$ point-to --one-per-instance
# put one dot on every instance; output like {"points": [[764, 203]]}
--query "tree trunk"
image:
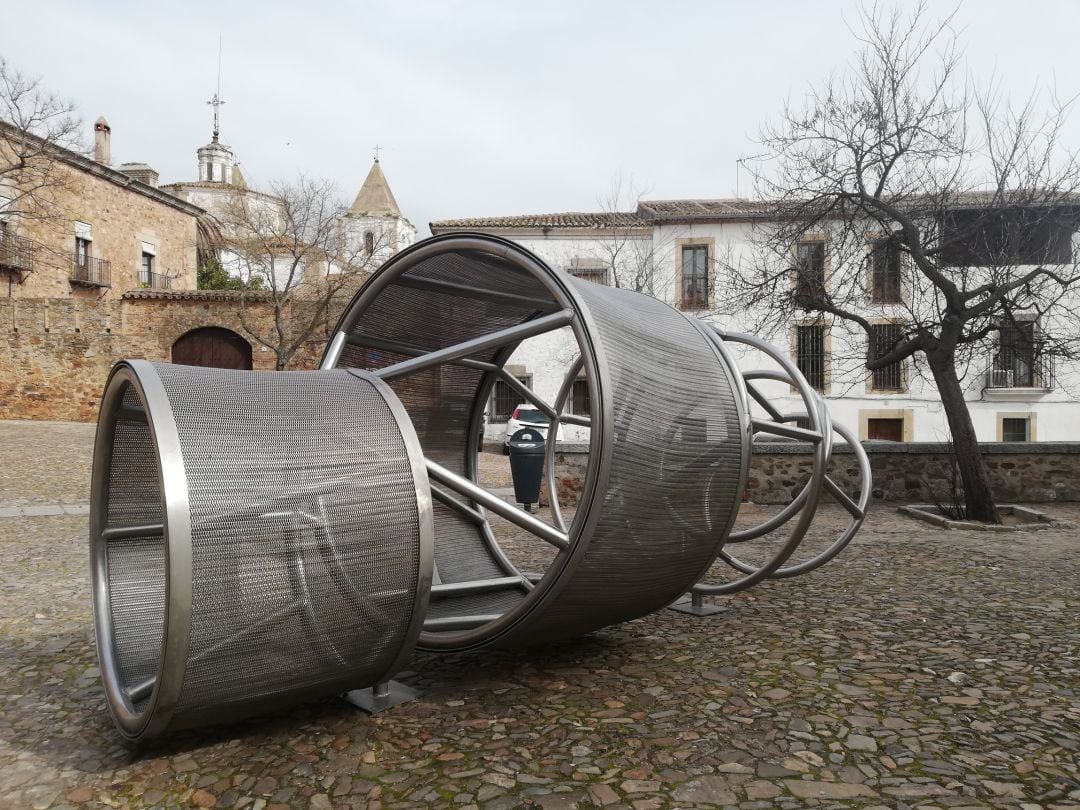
{"points": [[978, 495]]}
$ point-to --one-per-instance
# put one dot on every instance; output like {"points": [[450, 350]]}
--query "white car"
{"points": [[526, 416]]}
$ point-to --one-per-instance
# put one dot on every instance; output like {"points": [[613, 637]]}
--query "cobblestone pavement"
{"points": [[921, 668]]}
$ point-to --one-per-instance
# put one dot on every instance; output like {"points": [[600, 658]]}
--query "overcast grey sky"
{"points": [[482, 108]]}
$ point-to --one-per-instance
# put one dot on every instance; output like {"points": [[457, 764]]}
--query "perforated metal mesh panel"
{"points": [[308, 568], [668, 465], [441, 401], [136, 564], [674, 479]]}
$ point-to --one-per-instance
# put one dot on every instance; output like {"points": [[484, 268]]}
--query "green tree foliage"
{"points": [[212, 276]]}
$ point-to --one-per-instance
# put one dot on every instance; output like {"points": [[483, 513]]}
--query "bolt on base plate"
{"points": [[380, 697], [696, 606]]}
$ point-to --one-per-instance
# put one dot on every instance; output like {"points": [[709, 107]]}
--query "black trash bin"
{"points": [[527, 465]]}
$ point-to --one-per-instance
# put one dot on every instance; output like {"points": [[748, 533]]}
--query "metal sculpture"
{"points": [[245, 553], [265, 537]]}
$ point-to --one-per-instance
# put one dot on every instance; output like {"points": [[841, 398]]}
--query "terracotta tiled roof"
{"points": [[82, 162], [735, 208], [183, 184], [652, 212], [196, 295], [568, 219]]}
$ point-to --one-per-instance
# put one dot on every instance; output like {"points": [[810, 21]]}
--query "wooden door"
{"points": [[213, 347]]}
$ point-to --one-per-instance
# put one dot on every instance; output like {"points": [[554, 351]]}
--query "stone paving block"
{"points": [[43, 510]]}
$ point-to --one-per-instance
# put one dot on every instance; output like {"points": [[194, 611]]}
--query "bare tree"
{"points": [[33, 124], [899, 193], [626, 248], [289, 248]]}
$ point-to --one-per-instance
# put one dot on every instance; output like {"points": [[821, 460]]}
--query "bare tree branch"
{"points": [[34, 123], [293, 240]]}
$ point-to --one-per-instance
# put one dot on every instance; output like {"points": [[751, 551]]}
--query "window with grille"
{"points": [[810, 353], [1017, 354], [504, 399], [695, 277], [579, 398], [883, 337], [885, 271], [597, 275], [809, 271], [1015, 429]]}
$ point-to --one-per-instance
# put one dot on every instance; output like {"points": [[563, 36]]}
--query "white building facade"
{"points": [[671, 249]]}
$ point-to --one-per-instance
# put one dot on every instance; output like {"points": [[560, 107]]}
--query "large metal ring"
{"points": [[438, 322]]}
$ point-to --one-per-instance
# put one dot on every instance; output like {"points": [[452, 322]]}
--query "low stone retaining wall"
{"points": [[1025, 472]]}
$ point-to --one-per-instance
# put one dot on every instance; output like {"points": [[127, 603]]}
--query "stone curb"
{"points": [[927, 513], [44, 510]]}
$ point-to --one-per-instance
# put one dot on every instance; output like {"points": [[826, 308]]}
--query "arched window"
{"points": [[369, 242]]}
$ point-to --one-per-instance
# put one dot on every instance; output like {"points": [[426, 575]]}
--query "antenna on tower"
{"points": [[216, 101]]}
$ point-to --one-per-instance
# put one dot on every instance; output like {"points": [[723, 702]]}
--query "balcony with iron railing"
{"points": [[90, 271], [1020, 371], [148, 279], [16, 253]]}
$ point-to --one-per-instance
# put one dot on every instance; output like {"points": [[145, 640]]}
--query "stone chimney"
{"points": [[102, 148], [140, 172]]}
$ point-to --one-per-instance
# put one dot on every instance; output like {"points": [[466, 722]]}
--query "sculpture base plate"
{"points": [[696, 606], [379, 698]]}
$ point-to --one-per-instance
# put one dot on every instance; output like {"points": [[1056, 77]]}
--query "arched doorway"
{"points": [[214, 347]]}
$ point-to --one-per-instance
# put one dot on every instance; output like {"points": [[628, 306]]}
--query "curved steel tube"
{"points": [[808, 497], [465, 635], [857, 510], [815, 412], [799, 500]]}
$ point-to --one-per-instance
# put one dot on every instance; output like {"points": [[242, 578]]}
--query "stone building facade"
{"points": [[95, 231]]}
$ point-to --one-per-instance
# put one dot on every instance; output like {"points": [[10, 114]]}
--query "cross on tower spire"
{"points": [[217, 101], [377, 148]]}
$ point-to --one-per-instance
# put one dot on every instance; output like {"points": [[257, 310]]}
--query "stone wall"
{"points": [[1032, 472], [1026, 472], [55, 354]]}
